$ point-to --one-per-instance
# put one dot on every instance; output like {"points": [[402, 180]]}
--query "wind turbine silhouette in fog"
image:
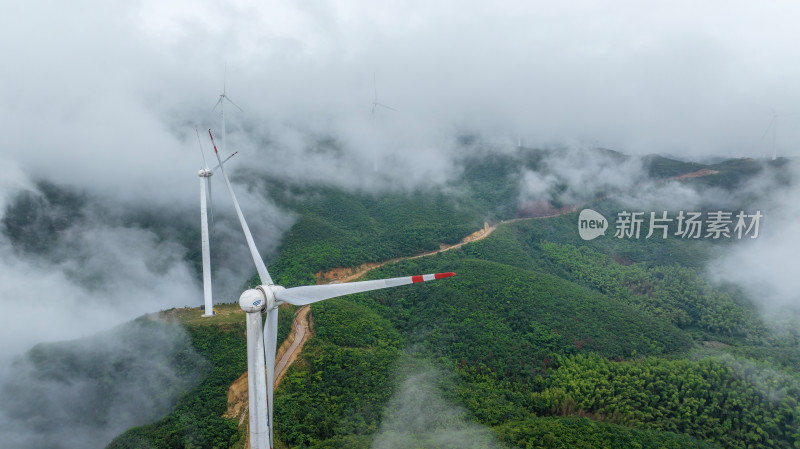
{"points": [[223, 97], [375, 102], [773, 125], [375, 105]]}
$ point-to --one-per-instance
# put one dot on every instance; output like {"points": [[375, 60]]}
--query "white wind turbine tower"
{"points": [[261, 346], [205, 189]]}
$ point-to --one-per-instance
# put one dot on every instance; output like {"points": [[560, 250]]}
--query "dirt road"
{"points": [[340, 275], [291, 348], [238, 398]]}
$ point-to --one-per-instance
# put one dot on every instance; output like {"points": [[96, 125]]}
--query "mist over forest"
{"points": [[366, 133], [83, 238]]}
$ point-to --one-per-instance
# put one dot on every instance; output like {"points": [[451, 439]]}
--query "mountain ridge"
{"points": [[504, 246]]}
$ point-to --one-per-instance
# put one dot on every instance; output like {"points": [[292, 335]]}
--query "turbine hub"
{"points": [[260, 299], [205, 173], [253, 300]]}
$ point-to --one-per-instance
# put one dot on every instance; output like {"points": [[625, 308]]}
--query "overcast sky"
{"points": [[105, 95], [108, 92]]}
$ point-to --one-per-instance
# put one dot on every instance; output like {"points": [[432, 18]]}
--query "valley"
{"points": [[541, 340]]}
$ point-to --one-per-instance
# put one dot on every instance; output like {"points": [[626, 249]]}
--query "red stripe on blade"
{"points": [[416, 279], [443, 275], [212, 141]]}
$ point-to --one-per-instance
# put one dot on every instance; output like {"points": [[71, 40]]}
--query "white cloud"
{"points": [[106, 94], [438, 424], [103, 96], [764, 267]]}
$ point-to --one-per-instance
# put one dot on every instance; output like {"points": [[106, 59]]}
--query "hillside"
{"points": [[542, 340]]}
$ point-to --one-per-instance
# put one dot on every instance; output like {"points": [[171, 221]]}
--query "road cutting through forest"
{"points": [[301, 325], [302, 328]]}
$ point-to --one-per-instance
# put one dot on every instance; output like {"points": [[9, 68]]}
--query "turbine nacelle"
{"points": [[260, 298], [205, 173]]}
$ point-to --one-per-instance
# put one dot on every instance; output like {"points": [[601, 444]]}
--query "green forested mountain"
{"points": [[541, 340], [564, 359]]}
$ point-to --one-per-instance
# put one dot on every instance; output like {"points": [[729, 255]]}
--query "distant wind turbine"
{"points": [[375, 102], [773, 125], [221, 103], [205, 189], [261, 346], [375, 105]]}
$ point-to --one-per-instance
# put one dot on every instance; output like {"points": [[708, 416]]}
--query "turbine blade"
{"points": [[270, 348], [202, 153], [260, 267], [375, 87], [769, 127], [224, 161], [308, 294], [217, 104], [387, 107], [231, 102], [373, 109]]}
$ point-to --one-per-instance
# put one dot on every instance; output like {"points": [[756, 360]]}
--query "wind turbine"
{"points": [[261, 346], [205, 186], [205, 175], [375, 102], [221, 103], [375, 105], [773, 125]]}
